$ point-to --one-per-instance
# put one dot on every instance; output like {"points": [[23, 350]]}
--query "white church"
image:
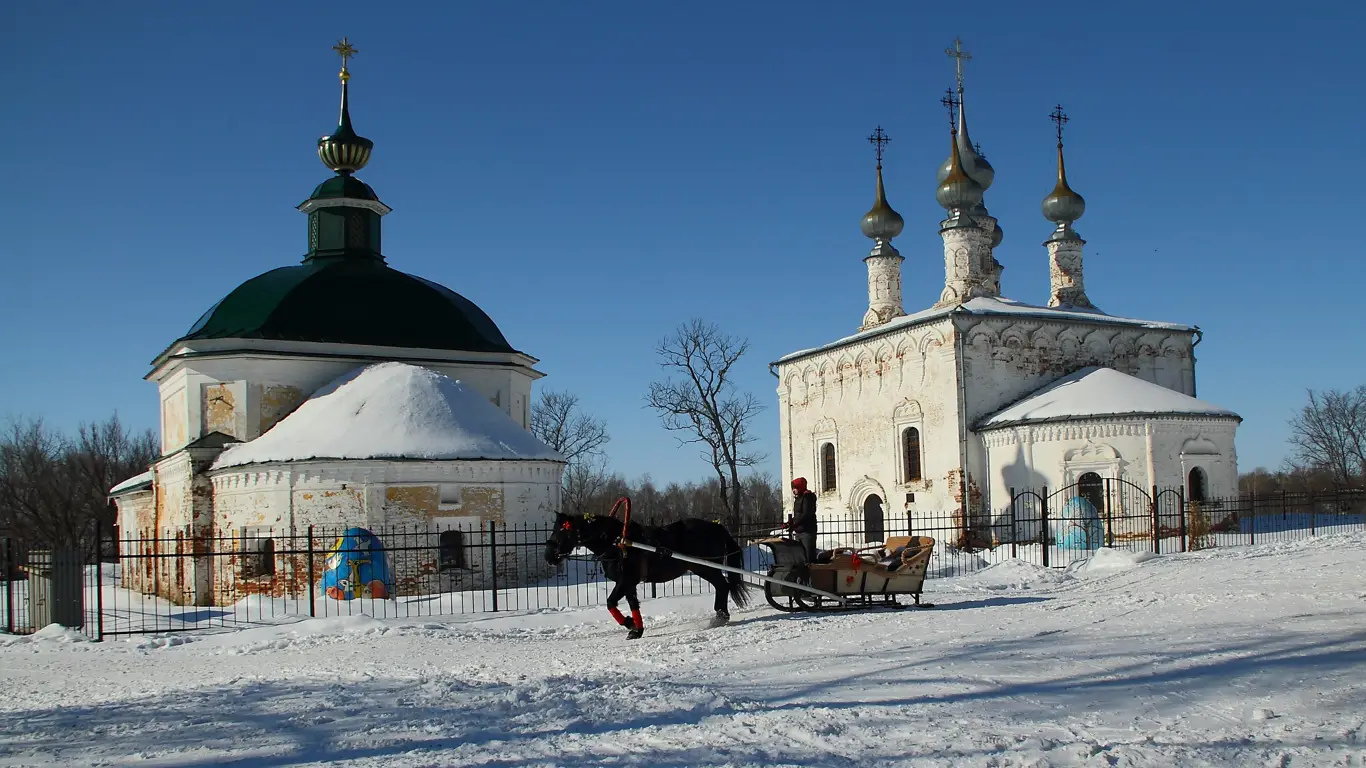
{"points": [[333, 393], [947, 410]]}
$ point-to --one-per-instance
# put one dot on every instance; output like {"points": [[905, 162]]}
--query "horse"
{"points": [[629, 566]]}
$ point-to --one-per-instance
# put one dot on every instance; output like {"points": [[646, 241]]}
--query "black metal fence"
{"points": [[175, 582]]}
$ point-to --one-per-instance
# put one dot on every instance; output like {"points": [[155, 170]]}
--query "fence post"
{"points": [[10, 570], [1157, 522], [493, 561], [1252, 522], [99, 581], [312, 604], [1312, 508], [1109, 512], [1014, 535], [1181, 509], [1043, 524]]}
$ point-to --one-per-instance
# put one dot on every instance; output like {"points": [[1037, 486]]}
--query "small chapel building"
{"points": [[333, 393], [948, 411]]}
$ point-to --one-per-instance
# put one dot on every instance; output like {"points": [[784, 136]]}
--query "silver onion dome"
{"points": [[1062, 205], [957, 191], [881, 222], [974, 164]]}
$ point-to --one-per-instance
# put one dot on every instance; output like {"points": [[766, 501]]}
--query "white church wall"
{"points": [[1140, 453], [393, 499], [162, 522], [1008, 358], [859, 398], [176, 419], [1207, 444]]}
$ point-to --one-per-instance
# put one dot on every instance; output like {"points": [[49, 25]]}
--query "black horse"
{"points": [[692, 537]]}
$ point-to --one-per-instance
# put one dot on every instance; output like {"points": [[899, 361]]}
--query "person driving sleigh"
{"points": [[802, 523]]}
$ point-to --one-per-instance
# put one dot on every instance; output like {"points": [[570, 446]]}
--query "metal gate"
{"points": [[1069, 523]]}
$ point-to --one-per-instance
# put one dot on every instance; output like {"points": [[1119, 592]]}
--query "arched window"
{"points": [[873, 529], [1091, 487], [828, 467], [452, 550], [910, 449], [1196, 487]]}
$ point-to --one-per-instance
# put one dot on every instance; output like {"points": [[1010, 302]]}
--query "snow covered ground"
{"points": [[1252, 656]]}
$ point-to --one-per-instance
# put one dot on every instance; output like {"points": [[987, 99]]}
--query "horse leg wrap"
{"points": [[635, 616], [616, 614]]}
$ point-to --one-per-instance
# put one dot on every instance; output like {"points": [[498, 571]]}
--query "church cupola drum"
{"points": [[344, 212], [881, 224], [344, 291], [969, 268], [1062, 206]]}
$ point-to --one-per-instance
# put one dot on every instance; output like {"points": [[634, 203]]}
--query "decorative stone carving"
{"points": [[884, 290], [1066, 286], [967, 260]]}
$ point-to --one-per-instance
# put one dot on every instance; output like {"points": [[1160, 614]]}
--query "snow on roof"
{"points": [[392, 411], [991, 306], [1095, 392], [134, 483]]}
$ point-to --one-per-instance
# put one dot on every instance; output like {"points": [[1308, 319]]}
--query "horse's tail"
{"points": [[735, 558]]}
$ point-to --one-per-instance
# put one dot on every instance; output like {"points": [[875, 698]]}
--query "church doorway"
{"points": [[1195, 485], [1091, 487], [872, 519]]}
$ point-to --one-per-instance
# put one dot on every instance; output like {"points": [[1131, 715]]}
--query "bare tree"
{"points": [[53, 489], [1329, 433], [586, 483], [559, 423], [699, 399]]}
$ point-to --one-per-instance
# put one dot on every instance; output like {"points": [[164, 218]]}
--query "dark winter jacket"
{"points": [[804, 513]]}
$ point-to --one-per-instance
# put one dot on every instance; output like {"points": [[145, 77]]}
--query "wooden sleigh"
{"points": [[863, 578]]}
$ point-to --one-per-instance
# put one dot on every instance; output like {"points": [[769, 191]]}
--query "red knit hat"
{"points": [[799, 484]]}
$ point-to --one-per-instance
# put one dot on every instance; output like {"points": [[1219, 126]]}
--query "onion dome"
{"points": [[1063, 206], [974, 164], [996, 236], [344, 151], [957, 192], [881, 223]]}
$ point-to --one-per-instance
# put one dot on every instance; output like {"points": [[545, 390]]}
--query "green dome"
{"points": [[350, 301], [343, 186]]}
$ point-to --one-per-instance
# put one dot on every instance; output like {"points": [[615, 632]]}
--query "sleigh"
{"points": [[861, 578]]}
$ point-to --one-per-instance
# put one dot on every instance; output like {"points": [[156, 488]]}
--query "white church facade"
{"points": [[955, 409], [335, 393]]}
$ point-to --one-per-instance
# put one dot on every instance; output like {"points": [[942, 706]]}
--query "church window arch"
{"points": [[908, 422], [910, 455], [828, 479], [1197, 485], [1091, 486], [874, 526]]}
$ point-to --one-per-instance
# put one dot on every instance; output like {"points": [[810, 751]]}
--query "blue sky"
{"points": [[592, 174]]}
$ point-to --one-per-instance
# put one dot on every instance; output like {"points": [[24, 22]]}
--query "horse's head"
{"points": [[565, 537], [594, 532]]}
